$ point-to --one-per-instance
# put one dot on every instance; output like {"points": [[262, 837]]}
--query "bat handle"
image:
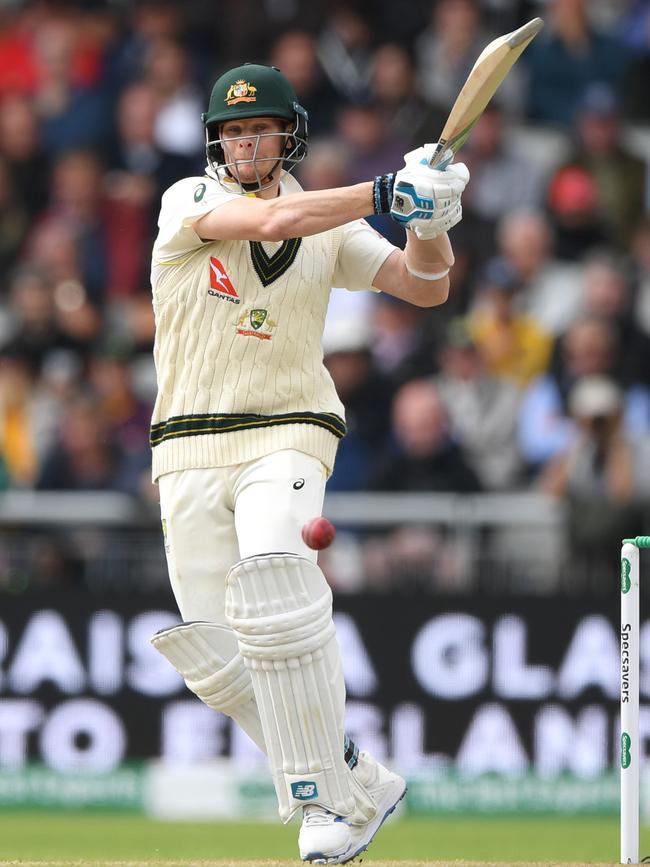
{"points": [[441, 157]]}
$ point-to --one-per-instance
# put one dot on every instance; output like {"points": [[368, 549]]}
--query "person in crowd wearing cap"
{"points": [[602, 474], [512, 344], [588, 348], [366, 394], [246, 425], [482, 410], [618, 175], [574, 209]]}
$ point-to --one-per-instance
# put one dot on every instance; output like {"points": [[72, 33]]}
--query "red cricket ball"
{"points": [[318, 533]]}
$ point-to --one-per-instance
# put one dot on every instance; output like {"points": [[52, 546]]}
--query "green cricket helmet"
{"points": [[253, 90]]}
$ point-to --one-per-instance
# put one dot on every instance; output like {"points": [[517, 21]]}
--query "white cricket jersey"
{"points": [[238, 334]]}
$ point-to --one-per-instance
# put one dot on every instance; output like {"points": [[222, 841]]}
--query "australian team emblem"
{"points": [[256, 323], [241, 91]]}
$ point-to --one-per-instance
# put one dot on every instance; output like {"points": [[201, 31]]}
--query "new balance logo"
{"points": [[304, 790], [220, 283]]}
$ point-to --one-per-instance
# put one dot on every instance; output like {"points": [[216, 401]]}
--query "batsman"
{"points": [[246, 426]]}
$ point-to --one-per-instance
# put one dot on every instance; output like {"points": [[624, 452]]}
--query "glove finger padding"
{"points": [[418, 160], [422, 194], [422, 155], [425, 230], [461, 172], [448, 183]]}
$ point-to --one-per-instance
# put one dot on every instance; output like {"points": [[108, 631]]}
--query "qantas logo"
{"points": [[220, 283]]}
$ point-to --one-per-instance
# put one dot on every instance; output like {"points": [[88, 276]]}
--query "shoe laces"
{"points": [[314, 814]]}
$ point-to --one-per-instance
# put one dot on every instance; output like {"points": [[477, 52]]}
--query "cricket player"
{"points": [[246, 426]]}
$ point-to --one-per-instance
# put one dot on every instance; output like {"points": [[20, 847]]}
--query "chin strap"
{"points": [[253, 187]]}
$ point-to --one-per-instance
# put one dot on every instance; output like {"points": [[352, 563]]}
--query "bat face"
{"points": [[491, 67]]}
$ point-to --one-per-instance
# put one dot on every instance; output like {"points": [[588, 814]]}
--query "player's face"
{"points": [[254, 145]]}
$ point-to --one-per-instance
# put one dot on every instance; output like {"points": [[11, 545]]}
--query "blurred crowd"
{"points": [[534, 375]]}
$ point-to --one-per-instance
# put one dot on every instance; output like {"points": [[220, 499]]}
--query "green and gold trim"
{"points": [[269, 268], [197, 425]]}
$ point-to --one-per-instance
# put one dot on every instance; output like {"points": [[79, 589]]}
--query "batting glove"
{"points": [[425, 200]]}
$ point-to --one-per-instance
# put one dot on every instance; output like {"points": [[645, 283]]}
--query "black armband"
{"points": [[382, 193]]}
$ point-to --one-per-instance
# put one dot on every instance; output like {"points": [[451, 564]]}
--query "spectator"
{"points": [[565, 59], [328, 166], [363, 129], [587, 349], [366, 395], [127, 417], [108, 226], [512, 345], [18, 67], [52, 250], [178, 128], [20, 146], [394, 89], [344, 49], [603, 475], [423, 455], [640, 254], [635, 34], [482, 410], [135, 326], [136, 157], [76, 210], [502, 179], [295, 52], [13, 222], [72, 103], [149, 21], [550, 289], [620, 177], [33, 331], [447, 50], [82, 458], [27, 420], [365, 134], [608, 297], [575, 211], [402, 343]]}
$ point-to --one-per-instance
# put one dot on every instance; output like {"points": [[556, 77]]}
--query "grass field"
{"points": [[90, 839]]}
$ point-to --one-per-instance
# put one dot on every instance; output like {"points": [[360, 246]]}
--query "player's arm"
{"points": [[296, 214], [399, 274], [427, 203]]}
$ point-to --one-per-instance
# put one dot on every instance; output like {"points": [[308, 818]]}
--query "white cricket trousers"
{"points": [[214, 517]]}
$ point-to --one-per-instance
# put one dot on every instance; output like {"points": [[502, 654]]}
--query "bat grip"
{"points": [[441, 158]]}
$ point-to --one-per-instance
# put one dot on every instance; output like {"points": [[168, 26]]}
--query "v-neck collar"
{"points": [[270, 268]]}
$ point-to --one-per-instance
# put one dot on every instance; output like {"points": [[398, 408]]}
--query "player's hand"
{"points": [[426, 200]]}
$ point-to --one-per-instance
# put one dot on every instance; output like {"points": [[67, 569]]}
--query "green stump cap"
{"points": [[639, 541]]}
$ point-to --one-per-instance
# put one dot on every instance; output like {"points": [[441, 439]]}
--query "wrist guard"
{"points": [[382, 193]]}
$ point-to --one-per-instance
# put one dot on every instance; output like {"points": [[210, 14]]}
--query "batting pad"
{"points": [[280, 608], [206, 655]]}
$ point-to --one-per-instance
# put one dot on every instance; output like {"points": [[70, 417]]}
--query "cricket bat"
{"points": [[491, 67]]}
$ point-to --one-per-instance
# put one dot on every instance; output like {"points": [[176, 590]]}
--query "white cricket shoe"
{"points": [[326, 838]]}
